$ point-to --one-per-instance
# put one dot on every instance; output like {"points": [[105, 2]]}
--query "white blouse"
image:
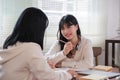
{"points": [[83, 58]]}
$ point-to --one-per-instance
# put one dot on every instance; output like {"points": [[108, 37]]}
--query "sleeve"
{"points": [[87, 60], [55, 54], [41, 70]]}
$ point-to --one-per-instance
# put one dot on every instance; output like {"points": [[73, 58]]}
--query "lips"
{"points": [[68, 36]]}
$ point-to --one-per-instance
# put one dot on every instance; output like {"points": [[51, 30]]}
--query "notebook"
{"points": [[102, 67], [107, 74]]}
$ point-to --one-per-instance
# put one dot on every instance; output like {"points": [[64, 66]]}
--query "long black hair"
{"points": [[30, 27], [68, 20]]}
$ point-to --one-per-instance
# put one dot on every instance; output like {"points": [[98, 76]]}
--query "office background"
{"points": [[98, 19]]}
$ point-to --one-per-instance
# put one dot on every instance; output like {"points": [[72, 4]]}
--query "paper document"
{"points": [[102, 67], [63, 69], [103, 73], [95, 77]]}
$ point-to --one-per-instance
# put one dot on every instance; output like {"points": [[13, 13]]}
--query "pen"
{"points": [[62, 41]]}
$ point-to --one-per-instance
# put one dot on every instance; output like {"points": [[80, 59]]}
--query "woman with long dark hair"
{"points": [[72, 50], [22, 54]]}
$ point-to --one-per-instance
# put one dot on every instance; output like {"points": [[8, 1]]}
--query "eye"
{"points": [[62, 28], [68, 26]]}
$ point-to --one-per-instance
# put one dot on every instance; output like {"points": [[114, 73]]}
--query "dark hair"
{"points": [[30, 27], [69, 20]]}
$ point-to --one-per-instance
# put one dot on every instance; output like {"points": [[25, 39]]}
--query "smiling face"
{"points": [[69, 32]]}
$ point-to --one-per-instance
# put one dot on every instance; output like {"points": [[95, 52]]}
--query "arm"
{"points": [[41, 70], [54, 54], [84, 57]]}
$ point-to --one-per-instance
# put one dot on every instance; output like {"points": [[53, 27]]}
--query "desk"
{"points": [[113, 70], [113, 41]]}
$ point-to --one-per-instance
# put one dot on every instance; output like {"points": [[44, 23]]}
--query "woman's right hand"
{"points": [[73, 73], [67, 48]]}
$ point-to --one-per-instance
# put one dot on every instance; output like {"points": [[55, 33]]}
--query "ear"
{"points": [[76, 27]]}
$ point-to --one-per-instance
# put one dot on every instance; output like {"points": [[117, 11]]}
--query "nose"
{"points": [[65, 31]]}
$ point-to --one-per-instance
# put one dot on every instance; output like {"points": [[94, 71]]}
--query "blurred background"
{"points": [[98, 19]]}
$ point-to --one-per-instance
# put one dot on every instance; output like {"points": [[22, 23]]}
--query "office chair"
{"points": [[96, 51]]}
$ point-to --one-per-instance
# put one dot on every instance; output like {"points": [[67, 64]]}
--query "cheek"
{"points": [[75, 30], [62, 32], [66, 31]]}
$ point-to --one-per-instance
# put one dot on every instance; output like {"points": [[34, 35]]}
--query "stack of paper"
{"points": [[95, 77], [102, 67], [98, 72]]}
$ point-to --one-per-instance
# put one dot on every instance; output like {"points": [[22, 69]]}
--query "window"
{"points": [[86, 13], [91, 15], [55, 9]]}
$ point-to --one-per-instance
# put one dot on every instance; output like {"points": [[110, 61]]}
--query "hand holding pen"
{"points": [[67, 47]]}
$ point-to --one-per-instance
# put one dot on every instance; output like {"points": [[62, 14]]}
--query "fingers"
{"points": [[51, 63], [58, 65], [67, 48], [69, 45], [73, 73]]}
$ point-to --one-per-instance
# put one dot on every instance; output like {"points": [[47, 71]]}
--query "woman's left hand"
{"points": [[51, 63], [58, 65]]}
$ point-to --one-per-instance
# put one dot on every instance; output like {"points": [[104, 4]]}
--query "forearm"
{"points": [[57, 57], [82, 64]]}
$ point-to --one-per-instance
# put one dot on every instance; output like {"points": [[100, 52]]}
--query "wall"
{"points": [[9, 13], [112, 27]]}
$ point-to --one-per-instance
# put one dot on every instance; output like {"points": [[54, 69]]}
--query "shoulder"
{"points": [[22, 46], [30, 46], [85, 40], [31, 50]]}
